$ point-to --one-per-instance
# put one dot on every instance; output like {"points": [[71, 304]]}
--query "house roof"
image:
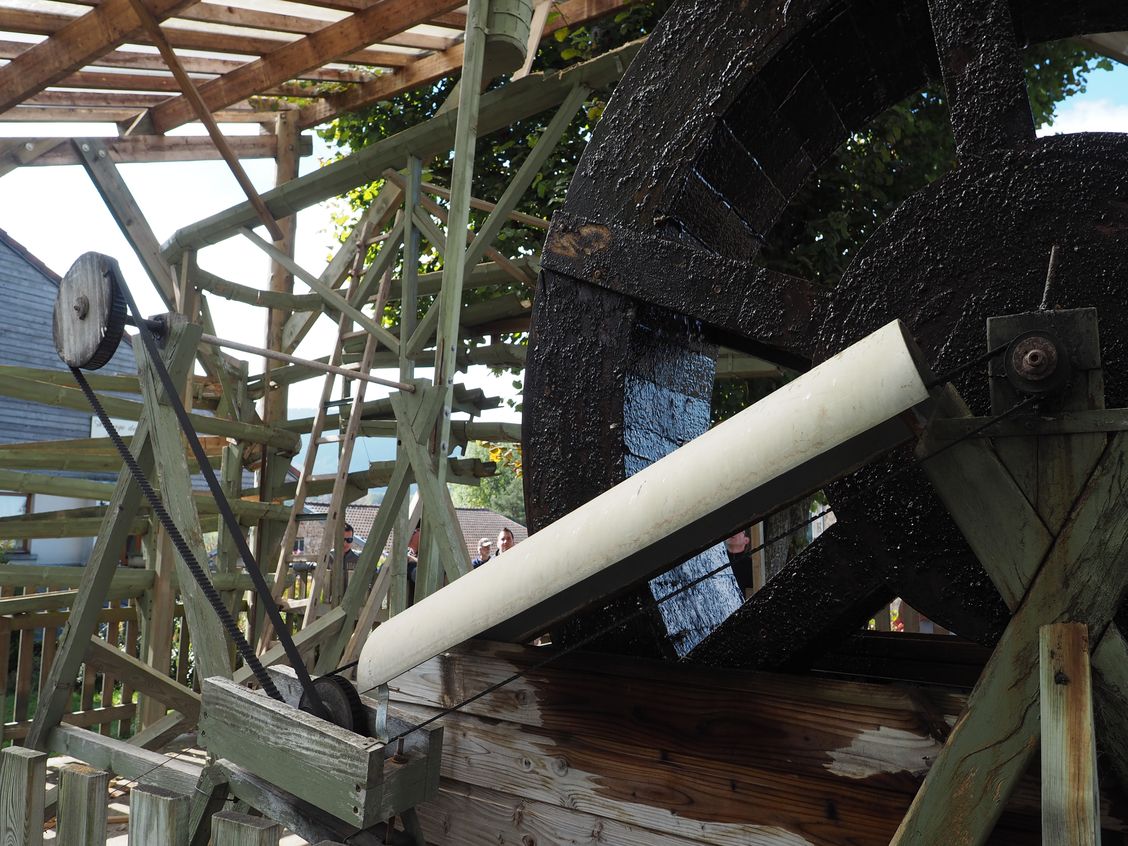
{"points": [[476, 523], [22, 251]]}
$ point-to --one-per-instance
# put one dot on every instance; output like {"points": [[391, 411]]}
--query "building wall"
{"points": [[59, 551], [28, 293]]}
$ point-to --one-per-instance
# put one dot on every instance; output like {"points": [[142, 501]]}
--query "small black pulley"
{"points": [[90, 312], [342, 703], [1036, 362]]}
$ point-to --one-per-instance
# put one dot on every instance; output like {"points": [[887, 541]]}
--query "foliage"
{"points": [[503, 492], [499, 154], [898, 154]]}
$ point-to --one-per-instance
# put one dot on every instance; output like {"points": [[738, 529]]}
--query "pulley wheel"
{"points": [[89, 312], [341, 701]]}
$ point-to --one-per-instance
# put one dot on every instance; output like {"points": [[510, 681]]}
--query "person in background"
{"points": [[350, 555], [504, 541], [739, 549], [484, 550], [412, 564]]}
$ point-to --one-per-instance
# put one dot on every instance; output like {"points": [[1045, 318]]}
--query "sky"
{"points": [[56, 214]]}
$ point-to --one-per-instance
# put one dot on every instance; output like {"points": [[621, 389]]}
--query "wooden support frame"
{"points": [[1052, 562], [1070, 798]]}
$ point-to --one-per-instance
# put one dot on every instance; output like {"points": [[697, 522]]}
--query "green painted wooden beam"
{"points": [[524, 98]]}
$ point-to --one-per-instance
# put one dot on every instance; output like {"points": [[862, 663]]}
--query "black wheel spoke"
{"points": [[983, 74], [750, 308]]}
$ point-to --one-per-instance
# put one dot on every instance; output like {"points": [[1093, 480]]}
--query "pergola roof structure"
{"points": [[98, 61]]}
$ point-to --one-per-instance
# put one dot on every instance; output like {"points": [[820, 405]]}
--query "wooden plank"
{"points": [[85, 718], [203, 114], [76, 44], [157, 815], [129, 581], [94, 157], [159, 148], [306, 640], [143, 678], [51, 600], [353, 33], [283, 744], [82, 806], [477, 816], [1004, 531], [20, 388], [23, 777], [158, 734], [1070, 797], [306, 820], [124, 759], [1110, 677], [234, 829]]}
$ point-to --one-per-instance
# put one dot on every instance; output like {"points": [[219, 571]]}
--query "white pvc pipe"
{"points": [[835, 405]]}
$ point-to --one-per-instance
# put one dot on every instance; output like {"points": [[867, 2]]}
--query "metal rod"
{"points": [[305, 362]]}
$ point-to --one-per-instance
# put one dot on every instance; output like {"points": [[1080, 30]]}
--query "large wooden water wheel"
{"points": [[727, 111]]}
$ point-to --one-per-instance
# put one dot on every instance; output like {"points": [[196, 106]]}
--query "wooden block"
{"points": [[358, 780], [158, 816], [82, 806], [23, 776], [232, 829], [1070, 799]]}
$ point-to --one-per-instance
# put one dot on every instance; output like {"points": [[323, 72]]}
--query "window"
{"points": [[13, 505], [299, 545]]}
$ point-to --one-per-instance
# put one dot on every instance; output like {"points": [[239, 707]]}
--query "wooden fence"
{"points": [[155, 815], [34, 607]]}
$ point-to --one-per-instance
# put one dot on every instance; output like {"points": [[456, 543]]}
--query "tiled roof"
{"points": [[476, 523]]}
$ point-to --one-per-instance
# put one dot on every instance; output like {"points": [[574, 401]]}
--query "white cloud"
{"points": [[1083, 115]]}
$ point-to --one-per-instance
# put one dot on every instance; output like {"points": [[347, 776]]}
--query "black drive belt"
{"points": [[261, 588]]}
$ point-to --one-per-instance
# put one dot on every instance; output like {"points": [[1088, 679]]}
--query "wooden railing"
{"points": [[34, 608]]}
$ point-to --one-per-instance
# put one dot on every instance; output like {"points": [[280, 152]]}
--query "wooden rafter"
{"points": [[205, 117], [371, 25], [147, 61], [260, 43], [430, 68], [76, 44]]}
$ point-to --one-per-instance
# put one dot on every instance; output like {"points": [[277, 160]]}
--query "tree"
{"points": [[503, 492]]}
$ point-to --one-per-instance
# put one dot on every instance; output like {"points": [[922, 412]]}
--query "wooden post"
{"points": [[232, 829], [281, 279], [208, 800], [454, 266], [157, 815], [1070, 799], [82, 806], [23, 778]]}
